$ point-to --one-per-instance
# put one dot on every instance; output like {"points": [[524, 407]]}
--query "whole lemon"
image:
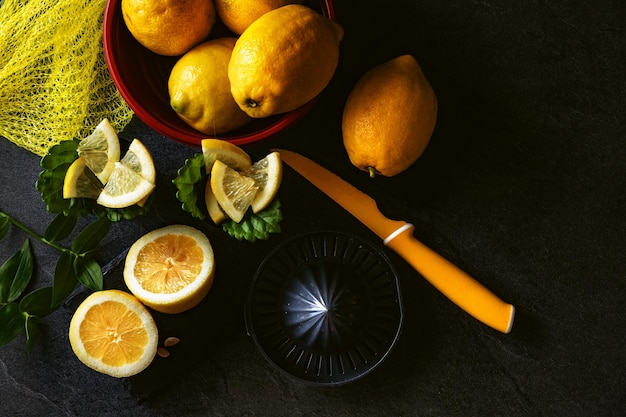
{"points": [[199, 89], [237, 15], [169, 27], [283, 59], [389, 117]]}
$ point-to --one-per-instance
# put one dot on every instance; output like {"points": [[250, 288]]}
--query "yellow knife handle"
{"points": [[458, 286]]}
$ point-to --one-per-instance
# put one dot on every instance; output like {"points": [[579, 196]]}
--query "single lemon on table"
{"points": [[233, 191], [267, 174], [124, 188], [229, 153], [283, 59], [113, 333], [81, 182], [170, 269], [389, 117], [100, 150], [237, 15], [169, 27], [199, 89]]}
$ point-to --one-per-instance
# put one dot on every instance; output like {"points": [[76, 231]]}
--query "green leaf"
{"points": [[64, 278], [88, 273], [11, 322], [4, 226], [190, 183], [60, 227], [257, 226], [91, 236], [16, 273], [33, 331], [38, 302]]}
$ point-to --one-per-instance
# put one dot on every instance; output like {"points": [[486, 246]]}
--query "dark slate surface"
{"points": [[522, 186]]}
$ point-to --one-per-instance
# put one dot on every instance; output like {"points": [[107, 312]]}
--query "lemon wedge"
{"points": [[139, 159], [267, 173], [234, 192], [100, 150], [230, 154], [124, 188], [81, 182], [215, 211]]}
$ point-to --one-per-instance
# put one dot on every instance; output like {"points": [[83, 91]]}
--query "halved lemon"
{"points": [[124, 188], [170, 269], [81, 182], [267, 173], [113, 333], [230, 154], [234, 192], [215, 211], [100, 150], [139, 159]]}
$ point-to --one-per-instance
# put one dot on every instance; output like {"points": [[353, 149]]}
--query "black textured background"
{"points": [[522, 186]]}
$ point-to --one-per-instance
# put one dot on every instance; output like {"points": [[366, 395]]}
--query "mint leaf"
{"points": [[257, 226], [190, 183]]}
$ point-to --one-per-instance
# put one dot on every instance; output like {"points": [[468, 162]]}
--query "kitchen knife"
{"points": [[458, 286]]}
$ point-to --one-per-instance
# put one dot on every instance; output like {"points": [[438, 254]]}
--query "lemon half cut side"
{"points": [[113, 333], [170, 269]]}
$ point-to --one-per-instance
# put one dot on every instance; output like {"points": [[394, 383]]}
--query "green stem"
{"points": [[31, 232]]}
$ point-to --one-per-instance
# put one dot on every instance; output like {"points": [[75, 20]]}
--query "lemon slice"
{"points": [[81, 182], [113, 333], [234, 192], [124, 188], [139, 159], [230, 154], [100, 150], [170, 269], [215, 211], [267, 173]]}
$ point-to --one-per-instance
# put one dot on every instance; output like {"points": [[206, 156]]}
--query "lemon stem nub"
{"points": [[372, 171], [252, 103]]}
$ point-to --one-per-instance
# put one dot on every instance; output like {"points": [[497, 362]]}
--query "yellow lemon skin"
{"points": [[389, 117], [199, 89], [237, 15], [169, 27], [283, 59]]}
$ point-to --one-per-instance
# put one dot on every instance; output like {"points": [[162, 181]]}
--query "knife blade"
{"points": [[458, 286]]}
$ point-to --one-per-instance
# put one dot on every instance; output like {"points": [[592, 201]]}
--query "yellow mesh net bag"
{"points": [[54, 81]]}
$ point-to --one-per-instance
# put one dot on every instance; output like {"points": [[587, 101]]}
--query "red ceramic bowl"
{"points": [[141, 78]]}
